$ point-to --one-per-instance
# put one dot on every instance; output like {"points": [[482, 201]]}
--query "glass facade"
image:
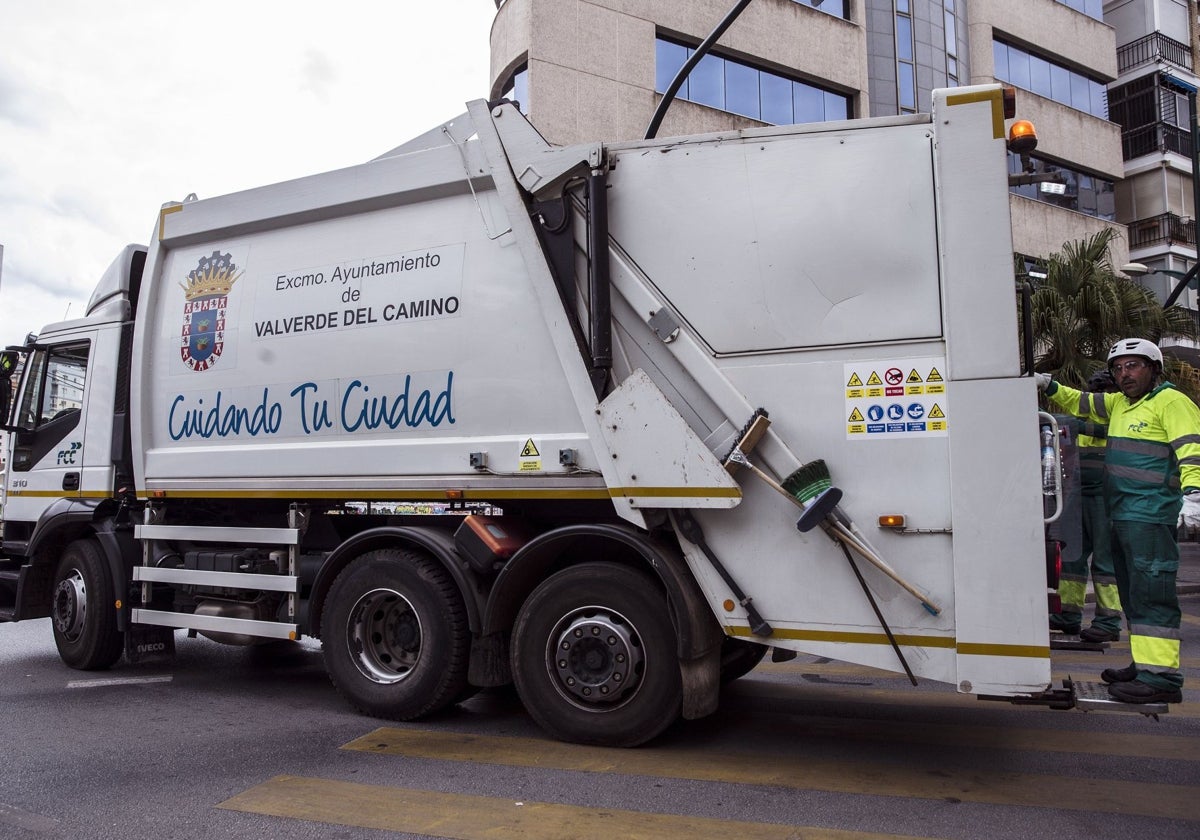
{"points": [[517, 88], [746, 90], [1045, 78], [1091, 8], [837, 8], [1073, 190]]}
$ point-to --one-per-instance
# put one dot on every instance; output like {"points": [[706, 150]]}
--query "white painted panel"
{"points": [[796, 241]]}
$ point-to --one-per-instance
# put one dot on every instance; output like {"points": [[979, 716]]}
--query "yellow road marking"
{"points": [[468, 817], [908, 779]]}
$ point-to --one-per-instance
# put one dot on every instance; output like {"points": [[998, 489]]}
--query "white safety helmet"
{"points": [[1136, 347]]}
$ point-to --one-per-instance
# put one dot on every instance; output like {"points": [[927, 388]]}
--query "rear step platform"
{"points": [[1094, 695], [1063, 641], [1085, 696]]}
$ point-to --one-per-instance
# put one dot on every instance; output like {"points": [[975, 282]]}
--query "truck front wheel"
{"points": [[594, 657], [83, 611], [395, 635]]}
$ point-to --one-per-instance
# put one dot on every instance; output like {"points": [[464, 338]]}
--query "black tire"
{"points": [[739, 658], [395, 636], [594, 656], [83, 611]]}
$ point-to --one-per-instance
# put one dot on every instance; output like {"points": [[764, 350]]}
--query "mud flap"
{"points": [[147, 643]]}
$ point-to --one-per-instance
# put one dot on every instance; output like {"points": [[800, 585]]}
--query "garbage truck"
{"points": [[677, 402]]}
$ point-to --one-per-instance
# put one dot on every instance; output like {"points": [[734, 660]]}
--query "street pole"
{"points": [[1195, 126]]}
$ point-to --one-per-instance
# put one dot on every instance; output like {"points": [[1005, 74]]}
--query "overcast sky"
{"points": [[109, 109]]}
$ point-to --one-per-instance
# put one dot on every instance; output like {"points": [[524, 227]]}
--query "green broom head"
{"points": [[808, 482]]}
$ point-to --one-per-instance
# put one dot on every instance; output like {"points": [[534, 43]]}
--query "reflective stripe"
{"points": [[1184, 440], [1158, 655], [1155, 632], [1074, 578], [1191, 460], [1099, 408], [1108, 611], [1104, 580], [1091, 428], [1072, 593], [1139, 447], [1148, 476]]}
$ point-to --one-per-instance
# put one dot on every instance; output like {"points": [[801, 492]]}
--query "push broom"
{"points": [[810, 489]]}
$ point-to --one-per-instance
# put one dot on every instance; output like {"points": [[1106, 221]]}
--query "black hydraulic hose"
{"points": [[599, 279], [1027, 324], [879, 615], [701, 51]]}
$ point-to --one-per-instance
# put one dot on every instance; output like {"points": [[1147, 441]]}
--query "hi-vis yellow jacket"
{"points": [[1153, 448]]}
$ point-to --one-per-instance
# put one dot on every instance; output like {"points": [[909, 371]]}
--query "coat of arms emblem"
{"points": [[206, 296]]}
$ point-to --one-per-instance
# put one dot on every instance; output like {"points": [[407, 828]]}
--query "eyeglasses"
{"points": [[1131, 366]]}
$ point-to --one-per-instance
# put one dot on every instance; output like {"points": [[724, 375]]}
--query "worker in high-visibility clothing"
{"points": [[1095, 543], [1151, 475]]}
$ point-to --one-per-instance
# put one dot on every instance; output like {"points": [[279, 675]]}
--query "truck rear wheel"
{"points": [[395, 635], [594, 656], [82, 609]]}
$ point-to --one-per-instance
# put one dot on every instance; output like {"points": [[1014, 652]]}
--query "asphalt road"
{"points": [[254, 742]]}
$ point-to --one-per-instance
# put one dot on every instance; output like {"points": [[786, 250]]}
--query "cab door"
{"points": [[49, 420]]}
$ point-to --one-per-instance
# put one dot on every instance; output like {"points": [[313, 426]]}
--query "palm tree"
{"points": [[1082, 307]]}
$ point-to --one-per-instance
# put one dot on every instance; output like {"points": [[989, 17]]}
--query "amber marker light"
{"points": [[1022, 137], [454, 494], [1010, 102], [728, 605], [119, 605], [891, 520]]}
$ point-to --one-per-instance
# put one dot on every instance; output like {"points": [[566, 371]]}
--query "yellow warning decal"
{"points": [[933, 376], [530, 451], [854, 381], [874, 379], [914, 376], [856, 416], [936, 411]]}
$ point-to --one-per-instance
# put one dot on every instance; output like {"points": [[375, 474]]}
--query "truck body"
{"points": [[237, 437]]}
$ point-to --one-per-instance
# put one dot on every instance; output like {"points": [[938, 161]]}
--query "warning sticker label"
{"points": [[896, 405]]}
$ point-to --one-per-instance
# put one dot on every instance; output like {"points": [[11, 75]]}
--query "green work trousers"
{"points": [[1146, 560], [1072, 588]]}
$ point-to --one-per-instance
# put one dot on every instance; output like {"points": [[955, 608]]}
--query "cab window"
{"points": [[54, 382]]}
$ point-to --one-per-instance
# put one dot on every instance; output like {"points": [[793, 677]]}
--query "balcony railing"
{"points": [[1163, 228], [1157, 137], [1151, 48]]}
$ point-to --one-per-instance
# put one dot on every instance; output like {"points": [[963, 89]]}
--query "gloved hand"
{"points": [[1191, 508], [1042, 380]]}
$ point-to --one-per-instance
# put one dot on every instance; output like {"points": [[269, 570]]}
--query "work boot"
{"points": [[1099, 634], [1119, 675], [1061, 625], [1139, 692]]}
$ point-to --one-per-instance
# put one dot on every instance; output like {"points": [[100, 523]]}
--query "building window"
{"points": [[517, 88], [906, 73], [746, 90], [1045, 78], [951, 30], [1071, 189], [837, 8], [1091, 8], [1154, 117]]}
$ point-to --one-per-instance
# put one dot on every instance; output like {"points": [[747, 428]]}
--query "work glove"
{"points": [[1042, 380], [1191, 508]]}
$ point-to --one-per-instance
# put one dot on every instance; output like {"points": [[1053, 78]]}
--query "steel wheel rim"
{"points": [[595, 658], [383, 633], [70, 605]]}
